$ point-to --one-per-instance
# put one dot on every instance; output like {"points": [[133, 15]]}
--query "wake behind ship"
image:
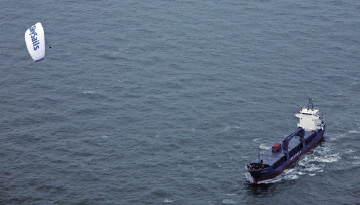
{"points": [[310, 131]]}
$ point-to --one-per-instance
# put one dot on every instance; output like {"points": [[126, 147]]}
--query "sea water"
{"points": [[166, 101]]}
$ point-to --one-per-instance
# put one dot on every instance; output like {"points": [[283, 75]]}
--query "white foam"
{"points": [[89, 92], [291, 174], [256, 139], [229, 201], [270, 181], [338, 136], [322, 154], [227, 128], [291, 177], [288, 174], [354, 131], [322, 150], [314, 163], [301, 173], [168, 200], [356, 163], [264, 147], [249, 178], [328, 158], [348, 151], [313, 168]]}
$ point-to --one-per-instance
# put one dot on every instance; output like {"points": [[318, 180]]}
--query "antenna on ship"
{"points": [[311, 103]]}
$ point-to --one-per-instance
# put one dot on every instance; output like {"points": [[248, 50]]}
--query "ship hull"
{"points": [[261, 175]]}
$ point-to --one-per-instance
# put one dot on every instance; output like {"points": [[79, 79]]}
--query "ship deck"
{"points": [[270, 157]]}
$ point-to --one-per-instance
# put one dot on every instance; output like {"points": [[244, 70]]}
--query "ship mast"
{"points": [[311, 103]]}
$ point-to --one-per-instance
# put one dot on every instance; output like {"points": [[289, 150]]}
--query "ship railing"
{"points": [[257, 166]]}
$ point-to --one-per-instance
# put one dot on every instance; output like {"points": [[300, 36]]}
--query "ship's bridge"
{"points": [[310, 119]]}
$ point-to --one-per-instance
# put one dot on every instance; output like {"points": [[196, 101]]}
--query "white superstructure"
{"points": [[310, 119]]}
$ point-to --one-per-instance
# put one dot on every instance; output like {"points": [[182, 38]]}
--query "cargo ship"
{"points": [[310, 130]]}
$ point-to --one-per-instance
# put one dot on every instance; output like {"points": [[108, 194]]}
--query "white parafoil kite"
{"points": [[35, 42]]}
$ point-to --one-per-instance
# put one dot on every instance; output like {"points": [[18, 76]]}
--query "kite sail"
{"points": [[35, 42]]}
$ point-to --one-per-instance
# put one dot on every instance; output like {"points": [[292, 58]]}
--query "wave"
{"points": [[349, 151], [288, 174], [168, 200], [357, 162], [229, 128], [229, 201], [328, 158], [256, 139], [339, 136], [264, 147], [88, 92], [249, 177]]}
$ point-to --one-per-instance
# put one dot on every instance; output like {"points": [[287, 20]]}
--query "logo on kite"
{"points": [[35, 42], [34, 39]]}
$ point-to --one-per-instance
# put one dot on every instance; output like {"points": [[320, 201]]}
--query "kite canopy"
{"points": [[35, 42]]}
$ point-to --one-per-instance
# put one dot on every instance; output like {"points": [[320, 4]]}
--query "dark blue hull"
{"points": [[275, 169]]}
